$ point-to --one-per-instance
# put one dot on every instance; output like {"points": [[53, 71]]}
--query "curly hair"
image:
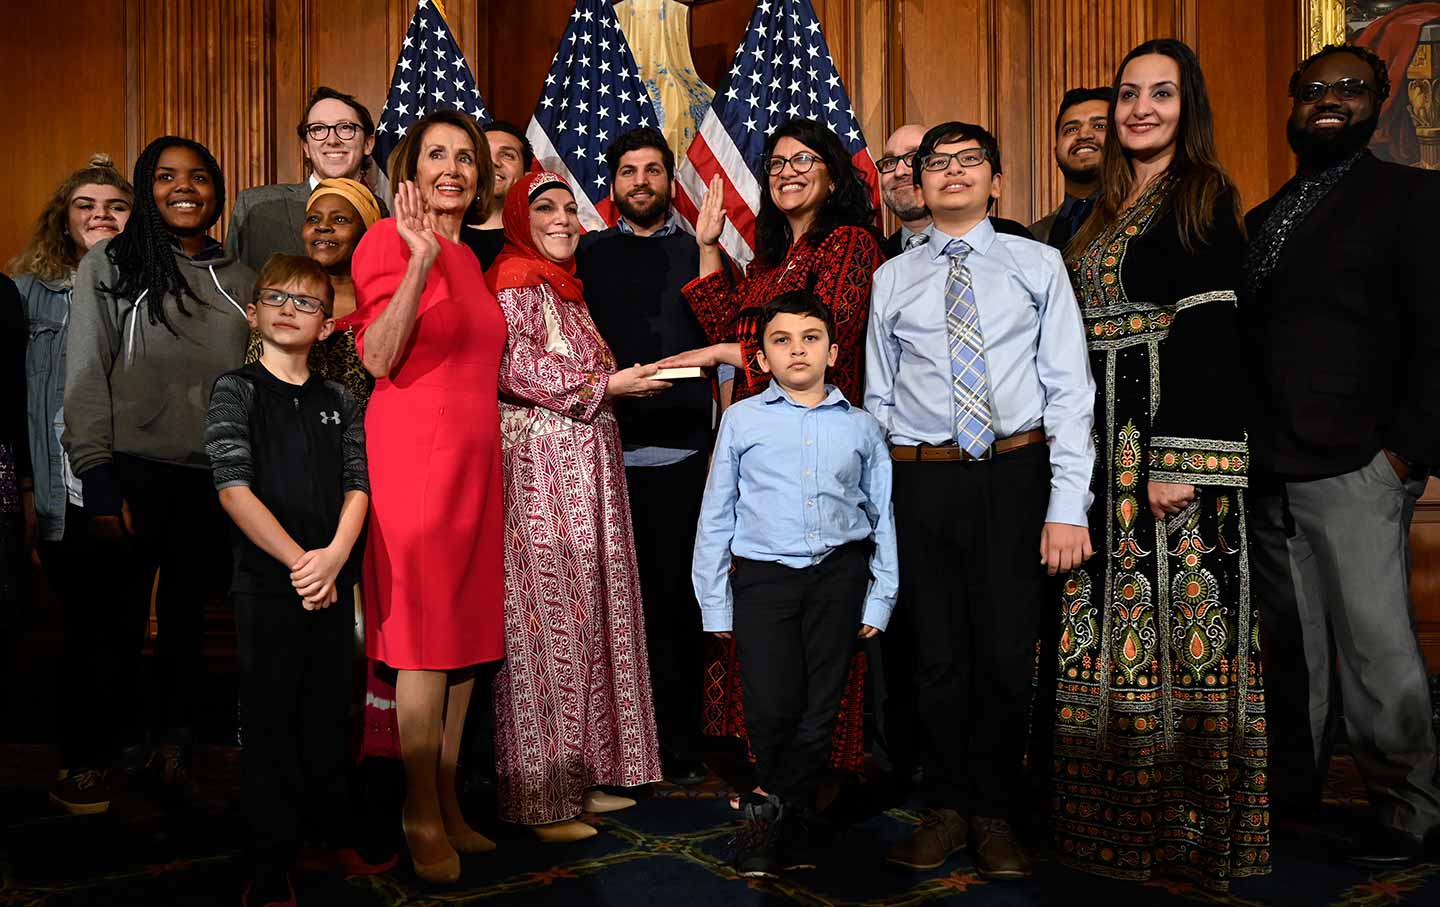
{"points": [[847, 205], [143, 255], [1377, 65], [52, 253]]}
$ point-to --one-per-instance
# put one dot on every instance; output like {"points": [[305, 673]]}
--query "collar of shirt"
{"points": [[775, 393], [671, 225], [314, 180], [980, 238]]}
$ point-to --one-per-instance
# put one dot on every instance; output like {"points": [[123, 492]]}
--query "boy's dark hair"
{"points": [[1377, 65], [511, 129], [1080, 96], [326, 93], [798, 302], [636, 139]]}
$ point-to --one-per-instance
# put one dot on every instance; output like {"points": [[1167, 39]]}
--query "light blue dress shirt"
{"points": [[1035, 354], [789, 484]]}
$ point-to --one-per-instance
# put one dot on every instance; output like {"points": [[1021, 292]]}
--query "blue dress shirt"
{"points": [[1035, 353], [789, 484]]}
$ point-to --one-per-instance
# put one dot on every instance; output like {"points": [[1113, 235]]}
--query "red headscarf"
{"points": [[520, 263]]}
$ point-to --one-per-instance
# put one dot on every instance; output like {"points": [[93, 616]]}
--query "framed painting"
{"points": [[1406, 35]]}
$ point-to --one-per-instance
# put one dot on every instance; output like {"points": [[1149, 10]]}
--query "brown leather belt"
{"points": [[923, 453]]}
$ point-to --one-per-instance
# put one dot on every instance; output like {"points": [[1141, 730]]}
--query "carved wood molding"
{"points": [[1321, 22]]}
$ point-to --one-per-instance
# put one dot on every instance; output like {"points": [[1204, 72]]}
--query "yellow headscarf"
{"points": [[353, 191]]}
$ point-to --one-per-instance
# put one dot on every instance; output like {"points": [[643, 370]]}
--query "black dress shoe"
{"points": [[684, 773], [1382, 847]]}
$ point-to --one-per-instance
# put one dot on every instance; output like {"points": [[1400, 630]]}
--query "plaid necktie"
{"points": [[916, 239], [969, 383]]}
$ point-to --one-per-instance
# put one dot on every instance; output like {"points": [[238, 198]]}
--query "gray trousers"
{"points": [[1331, 564]]}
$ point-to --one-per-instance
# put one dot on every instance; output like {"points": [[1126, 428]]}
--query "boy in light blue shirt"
{"points": [[795, 555]]}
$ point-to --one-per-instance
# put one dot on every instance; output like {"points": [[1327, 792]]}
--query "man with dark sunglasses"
{"points": [[1344, 431], [336, 137]]}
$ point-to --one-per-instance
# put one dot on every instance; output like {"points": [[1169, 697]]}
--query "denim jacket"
{"points": [[47, 317]]}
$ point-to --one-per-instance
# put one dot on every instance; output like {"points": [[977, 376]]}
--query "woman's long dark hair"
{"points": [[1201, 180], [848, 204], [144, 254]]}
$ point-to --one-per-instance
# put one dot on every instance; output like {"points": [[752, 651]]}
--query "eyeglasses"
{"points": [[803, 162], [276, 299], [1344, 89], [939, 160], [319, 132], [891, 161]]}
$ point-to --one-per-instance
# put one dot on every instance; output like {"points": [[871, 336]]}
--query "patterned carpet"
{"points": [[673, 848]]}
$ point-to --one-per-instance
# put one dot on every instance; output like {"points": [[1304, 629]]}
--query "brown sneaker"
{"points": [[996, 851], [941, 833]]}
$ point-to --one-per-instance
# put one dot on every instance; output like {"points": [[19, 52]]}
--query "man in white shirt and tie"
{"points": [[976, 368]]}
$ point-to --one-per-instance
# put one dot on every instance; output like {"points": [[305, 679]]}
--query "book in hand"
{"points": [[675, 374]]}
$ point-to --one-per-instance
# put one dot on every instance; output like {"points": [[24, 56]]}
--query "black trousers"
{"points": [[181, 531], [975, 593], [295, 692], [100, 642], [665, 509], [795, 630]]}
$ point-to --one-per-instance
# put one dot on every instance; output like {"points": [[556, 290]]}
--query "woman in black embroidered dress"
{"points": [[1160, 752]]}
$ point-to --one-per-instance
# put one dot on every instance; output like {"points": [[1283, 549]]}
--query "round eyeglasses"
{"points": [[937, 161], [803, 162], [276, 299], [319, 132]]}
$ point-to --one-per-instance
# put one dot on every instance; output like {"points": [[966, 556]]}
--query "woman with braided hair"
{"points": [[158, 314]]}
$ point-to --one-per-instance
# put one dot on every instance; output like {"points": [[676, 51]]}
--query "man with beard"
{"points": [[1344, 430], [902, 197], [632, 274], [511, 155], [1079, 136]]}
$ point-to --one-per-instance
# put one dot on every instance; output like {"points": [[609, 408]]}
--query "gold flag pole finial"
{"points": [[440, 7]]}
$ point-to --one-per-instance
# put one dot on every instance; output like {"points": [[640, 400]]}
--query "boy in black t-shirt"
{"points": [[287, 451]]}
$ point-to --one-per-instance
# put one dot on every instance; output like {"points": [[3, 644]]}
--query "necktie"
{"points": [[969, 382], [916, 239]]}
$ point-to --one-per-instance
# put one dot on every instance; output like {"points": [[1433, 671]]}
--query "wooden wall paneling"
{"points": [[57, 112], [944, 60], [1024, 147]]}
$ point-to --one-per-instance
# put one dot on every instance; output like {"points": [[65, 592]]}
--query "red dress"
{"points": [[434, 577], [838, 269]]}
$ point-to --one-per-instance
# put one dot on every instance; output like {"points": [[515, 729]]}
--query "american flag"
{"points": [[782, 70], [431, 74], [592, 93]]}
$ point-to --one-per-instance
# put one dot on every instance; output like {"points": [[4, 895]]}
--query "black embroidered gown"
{"points": [[1160, 749]]}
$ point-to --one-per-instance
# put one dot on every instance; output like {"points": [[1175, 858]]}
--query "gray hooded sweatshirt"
{"points": [[135, 388]]}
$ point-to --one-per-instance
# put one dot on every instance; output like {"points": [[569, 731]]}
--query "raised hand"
{"points": [[414, 224], [711, 219]]}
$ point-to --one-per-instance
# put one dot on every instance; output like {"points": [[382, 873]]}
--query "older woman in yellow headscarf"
{"points": [[336, 216]]}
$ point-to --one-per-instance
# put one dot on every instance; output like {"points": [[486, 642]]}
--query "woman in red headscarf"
{"points": [[573, 705]]}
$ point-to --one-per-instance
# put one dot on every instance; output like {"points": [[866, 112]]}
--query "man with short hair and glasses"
{"points": [[976, 367], [1080, 126], [336, 137], [1344, 431], [899, 192]]}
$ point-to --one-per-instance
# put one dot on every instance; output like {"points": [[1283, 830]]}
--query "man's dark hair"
{"points": [[798, 302], [326, 93], [634, 140], [511, 129], [1080, 96], [956, 131], [1377, 65]]}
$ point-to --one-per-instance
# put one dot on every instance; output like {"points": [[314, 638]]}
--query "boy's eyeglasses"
{"points": [[803, 162], [939, 160], [321, 131], [276, 299], [1344, 89]]}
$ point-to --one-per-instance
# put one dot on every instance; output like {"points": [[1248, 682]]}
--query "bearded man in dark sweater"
{"points": [[632, 274]]}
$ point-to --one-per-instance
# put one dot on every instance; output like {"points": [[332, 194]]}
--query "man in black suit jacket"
{"points": [[1345, 427], [898, 192]]}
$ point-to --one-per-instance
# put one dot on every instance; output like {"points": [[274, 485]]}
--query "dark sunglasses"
{"points": [[1344, 89]]}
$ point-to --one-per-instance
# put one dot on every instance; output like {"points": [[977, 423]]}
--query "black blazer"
{"points": [[1344, 337], [891, 245]]}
